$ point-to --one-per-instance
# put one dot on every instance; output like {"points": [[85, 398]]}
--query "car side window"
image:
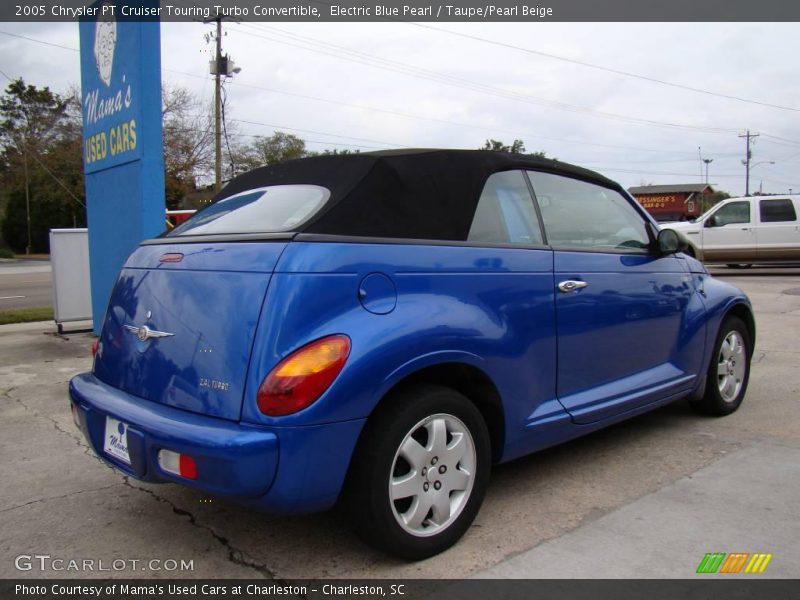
{"points": [[778, 210], [577, 214], [735, 212], [505, 213]]}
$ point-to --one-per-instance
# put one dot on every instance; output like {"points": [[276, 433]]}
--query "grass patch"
{"points": [[26, 315], [6, 253]]}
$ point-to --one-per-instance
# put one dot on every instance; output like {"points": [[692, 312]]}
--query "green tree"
{"points": [[277, 148], [334, 152], [709, 200], [515, 147], [41, 164], [188, 143]]}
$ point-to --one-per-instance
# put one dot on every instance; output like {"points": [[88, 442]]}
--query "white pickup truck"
{"points": [[747, 230]]}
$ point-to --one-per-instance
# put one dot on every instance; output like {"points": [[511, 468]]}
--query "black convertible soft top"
{"points": [[414, 194]]}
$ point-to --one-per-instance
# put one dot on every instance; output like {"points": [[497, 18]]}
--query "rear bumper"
{"points": [[284, 470]]}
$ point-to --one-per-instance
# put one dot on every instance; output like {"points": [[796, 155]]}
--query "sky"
{"points": [[453, 85]]}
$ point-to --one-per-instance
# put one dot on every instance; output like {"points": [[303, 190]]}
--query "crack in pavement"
{"points": [[235, 555], [78, 439], [49, 498]]}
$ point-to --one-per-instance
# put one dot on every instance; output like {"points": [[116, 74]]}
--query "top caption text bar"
{"points": [[408, 10]]}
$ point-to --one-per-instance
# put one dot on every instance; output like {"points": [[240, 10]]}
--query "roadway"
{"points": [[25, 283]]}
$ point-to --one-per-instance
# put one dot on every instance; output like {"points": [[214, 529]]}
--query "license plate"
{"points": [[116, 440]]}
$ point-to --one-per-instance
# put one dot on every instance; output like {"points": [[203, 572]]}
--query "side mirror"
{"points": [[711, 221], [669, 242]]}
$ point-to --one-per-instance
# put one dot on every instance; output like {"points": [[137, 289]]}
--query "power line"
{"points": [[398, 113], [30, 39], [589, 65], [236, 134], [415, 71], [436, 120], [58, 181], [641, 172], [775, 137], [606, 69], [381, 110], [348, 137], [662, 161], [384, 144]]}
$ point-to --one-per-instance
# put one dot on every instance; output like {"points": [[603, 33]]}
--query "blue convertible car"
{"points": [[378, 329]]}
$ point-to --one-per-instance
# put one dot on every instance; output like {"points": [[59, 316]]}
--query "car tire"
{"points": [[420, 472], [729, 371]]}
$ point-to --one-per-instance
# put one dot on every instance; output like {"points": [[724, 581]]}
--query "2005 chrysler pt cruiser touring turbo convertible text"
{"points": [[378, 329]]}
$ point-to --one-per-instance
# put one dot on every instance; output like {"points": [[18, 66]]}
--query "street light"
{"points": [[762, 162], [707, 161], [749, 167]]}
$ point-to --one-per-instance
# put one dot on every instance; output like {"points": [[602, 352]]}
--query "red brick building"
{"points": [[672, 202]]}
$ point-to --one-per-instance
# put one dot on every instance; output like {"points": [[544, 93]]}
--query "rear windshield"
{"points": [[264, 210]]}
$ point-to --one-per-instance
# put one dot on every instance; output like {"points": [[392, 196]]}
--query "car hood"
{"points": [[681, 226]]}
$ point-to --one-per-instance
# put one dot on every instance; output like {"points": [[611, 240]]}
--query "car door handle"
{"points": [[570, 285]]}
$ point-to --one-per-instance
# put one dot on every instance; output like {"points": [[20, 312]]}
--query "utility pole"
{"points": [[748, 136], [29, 247], [221, 66], [218, 108]]}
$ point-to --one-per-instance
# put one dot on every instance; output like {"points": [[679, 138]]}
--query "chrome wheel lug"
{"points": [[425, 486], [443, 469], [437, 485], [434, 460], [424, 471]]}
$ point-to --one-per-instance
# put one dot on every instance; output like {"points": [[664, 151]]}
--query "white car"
{"points": [[745, 230]]}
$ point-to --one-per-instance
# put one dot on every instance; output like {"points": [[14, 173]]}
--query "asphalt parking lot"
{"points": [[646, 498]]}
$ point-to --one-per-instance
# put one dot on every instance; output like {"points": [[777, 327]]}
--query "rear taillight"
{"points": [[177, 464], [94, 347], [303, 376]]}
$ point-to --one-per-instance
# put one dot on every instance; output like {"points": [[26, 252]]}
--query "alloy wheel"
{"points": [[731, 366], [432, 475]]}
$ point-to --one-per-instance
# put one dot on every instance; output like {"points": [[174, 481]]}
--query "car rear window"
{"points": [[275, 208], [778, 210]]}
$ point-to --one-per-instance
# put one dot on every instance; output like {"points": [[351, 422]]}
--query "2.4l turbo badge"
{"points": [[214, 384]]}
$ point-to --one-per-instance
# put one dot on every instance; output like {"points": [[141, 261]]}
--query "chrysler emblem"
{"points": [[144, 333]]}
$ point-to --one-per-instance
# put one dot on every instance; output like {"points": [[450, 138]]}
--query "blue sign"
{"points": [[111, 92], [123, 152]]}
